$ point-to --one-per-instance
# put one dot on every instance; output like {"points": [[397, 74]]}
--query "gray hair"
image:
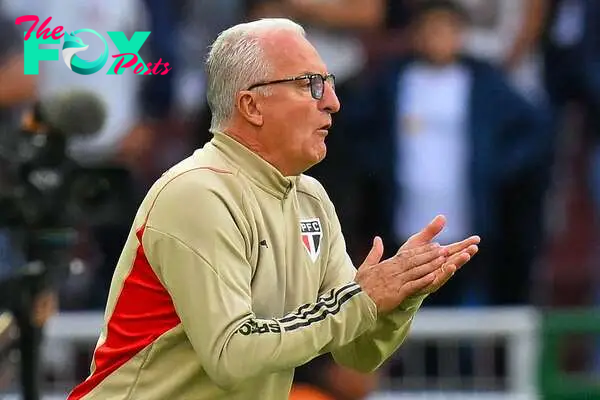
{"points": [[236, 60]]}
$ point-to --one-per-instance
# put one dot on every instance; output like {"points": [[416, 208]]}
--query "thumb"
{"points": [[375, 253]]}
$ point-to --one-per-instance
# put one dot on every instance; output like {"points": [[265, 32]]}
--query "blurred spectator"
{"points": [[16, 90], [15, 87], [183, 30], [571, 50], [507, 33], [158, 92], [120, 92], [334, 28], [392, 38], [125, 137], [440, 132], [200, 23], [323, 379], [572, 55], [503, 32]]}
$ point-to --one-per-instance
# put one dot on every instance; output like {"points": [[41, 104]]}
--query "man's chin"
{"points": [[317, 157], [321, 152]]}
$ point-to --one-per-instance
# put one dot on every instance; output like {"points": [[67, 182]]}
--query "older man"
{"points": [[235, 271]]}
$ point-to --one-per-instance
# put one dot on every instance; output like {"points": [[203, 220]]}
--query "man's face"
{"points": [[294, 123], [439, 36]]}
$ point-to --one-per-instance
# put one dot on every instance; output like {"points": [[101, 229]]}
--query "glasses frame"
{"points": [[312, 80]]}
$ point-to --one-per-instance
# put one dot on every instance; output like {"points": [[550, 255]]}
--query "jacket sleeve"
{"points": [[197, 240], [367, 352]]}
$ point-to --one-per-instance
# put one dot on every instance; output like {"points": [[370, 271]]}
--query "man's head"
{"points": [[253, 97], [438, 28]]}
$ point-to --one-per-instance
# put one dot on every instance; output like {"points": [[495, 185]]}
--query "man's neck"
{"points": [[250, 141]]}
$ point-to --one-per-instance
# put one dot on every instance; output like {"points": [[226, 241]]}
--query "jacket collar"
{"points": [[253, 166]]}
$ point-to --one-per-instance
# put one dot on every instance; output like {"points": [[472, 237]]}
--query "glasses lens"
{"points": [[316, 86], [331, 81]]}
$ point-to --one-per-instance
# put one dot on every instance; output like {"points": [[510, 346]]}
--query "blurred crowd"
{"points": [[483, 110]]}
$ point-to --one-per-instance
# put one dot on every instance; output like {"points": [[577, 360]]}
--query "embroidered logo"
{"points": [[311, 233]]}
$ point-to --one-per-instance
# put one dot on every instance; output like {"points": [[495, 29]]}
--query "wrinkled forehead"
{"points": [[291, 54]]}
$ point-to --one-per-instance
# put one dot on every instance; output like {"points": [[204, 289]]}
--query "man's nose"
{"points": [[329, 102]]}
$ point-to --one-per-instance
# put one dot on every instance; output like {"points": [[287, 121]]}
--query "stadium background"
{"points": [[526, 327]]}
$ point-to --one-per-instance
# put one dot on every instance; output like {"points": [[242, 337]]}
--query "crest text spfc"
{"points": [[311, 233]]}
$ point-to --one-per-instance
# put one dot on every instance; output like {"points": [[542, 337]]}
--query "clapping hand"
{"points": [[459, 253]]}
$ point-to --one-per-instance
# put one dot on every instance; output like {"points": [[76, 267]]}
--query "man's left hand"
{"points": [[459, 252]]}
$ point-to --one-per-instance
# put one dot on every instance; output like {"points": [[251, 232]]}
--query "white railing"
{"points": [[518, 326]]}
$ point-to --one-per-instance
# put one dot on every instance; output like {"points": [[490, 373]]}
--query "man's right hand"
{"points": [[388, 283]]}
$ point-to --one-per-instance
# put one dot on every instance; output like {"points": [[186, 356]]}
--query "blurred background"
{"points": [[487, 111]]}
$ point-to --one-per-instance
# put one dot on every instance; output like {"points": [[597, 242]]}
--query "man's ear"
{"points": [[249, 107]]}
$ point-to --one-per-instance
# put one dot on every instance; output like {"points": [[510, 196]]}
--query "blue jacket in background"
{"points": [[509, 140]]}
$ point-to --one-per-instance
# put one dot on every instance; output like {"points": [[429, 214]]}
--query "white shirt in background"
{"points": [[433, 149]]}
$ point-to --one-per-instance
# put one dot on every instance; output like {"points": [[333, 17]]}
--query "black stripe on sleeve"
{"points": [[306, 310], [321, 309]]}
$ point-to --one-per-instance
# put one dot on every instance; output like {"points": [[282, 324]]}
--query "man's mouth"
{"points": [[325, 127]]}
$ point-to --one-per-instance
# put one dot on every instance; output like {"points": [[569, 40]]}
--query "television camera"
{"points": [[45, 197]]}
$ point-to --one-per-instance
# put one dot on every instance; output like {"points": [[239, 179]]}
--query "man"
{"points": [[235, 271], [16, 90], [335, 30], [455, 153]]}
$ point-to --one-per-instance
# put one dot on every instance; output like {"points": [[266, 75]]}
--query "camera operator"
{"points": [[16, 90], [49, 201]]}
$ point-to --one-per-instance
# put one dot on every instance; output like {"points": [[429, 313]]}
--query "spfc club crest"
{"points": [[311, 232]]}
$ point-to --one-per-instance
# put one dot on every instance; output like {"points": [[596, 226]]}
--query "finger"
{"points": [[467, 255], [463, 244], [422, 270], [430, 231], [468, 252], [375, 253], [417, 250], [427, 234], [464, 257], [444, 275], [418, 285], [416, 257], [472, 250], [459, 259]]}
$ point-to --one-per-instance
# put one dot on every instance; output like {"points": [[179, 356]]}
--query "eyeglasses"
{"points": [[317, 83]]}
